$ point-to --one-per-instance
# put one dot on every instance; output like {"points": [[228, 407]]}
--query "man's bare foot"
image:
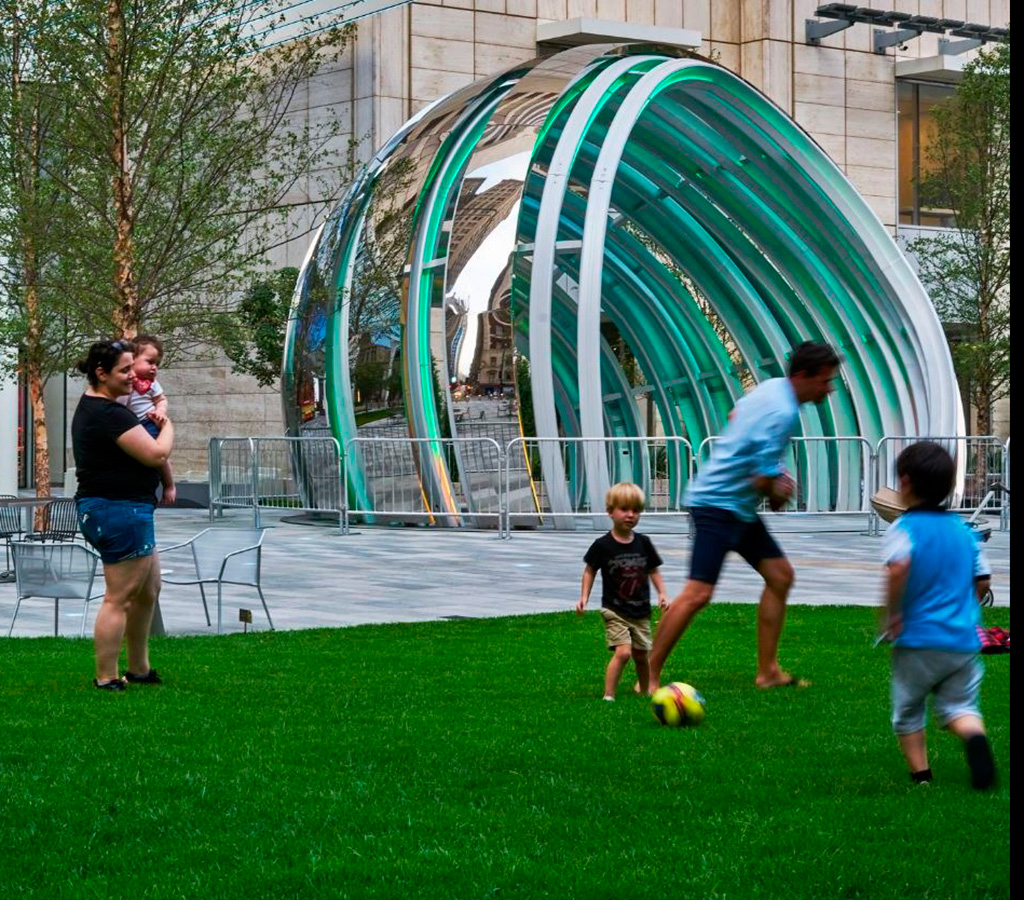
{"points": [[781, 680], [637, 689]]}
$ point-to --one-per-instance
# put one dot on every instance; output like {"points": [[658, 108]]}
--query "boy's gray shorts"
{"points": [[954, 679]]}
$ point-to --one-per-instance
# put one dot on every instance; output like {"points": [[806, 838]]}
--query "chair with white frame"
{"points": [[220, 556]]}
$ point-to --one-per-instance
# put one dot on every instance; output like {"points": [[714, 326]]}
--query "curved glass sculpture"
{"points": [[600, 241]]}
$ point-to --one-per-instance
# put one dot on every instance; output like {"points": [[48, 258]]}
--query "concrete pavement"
{"points": [[313, 577]]}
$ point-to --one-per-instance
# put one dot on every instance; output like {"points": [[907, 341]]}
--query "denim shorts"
{"points": [[118, 529], [151, 427]]}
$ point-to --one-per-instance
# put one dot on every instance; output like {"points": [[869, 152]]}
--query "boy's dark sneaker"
{"points": [[115, 684], [981, 762], [151, 677]]}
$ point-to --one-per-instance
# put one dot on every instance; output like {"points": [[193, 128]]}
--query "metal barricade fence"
{"points": [[985, 458], [1004, 514], [230, 466], [586, 467], [834, 475], [402, 480], [300, 474], [473, 481]]}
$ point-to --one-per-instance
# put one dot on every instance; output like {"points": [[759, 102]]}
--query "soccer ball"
{"points": [[678, 705]]}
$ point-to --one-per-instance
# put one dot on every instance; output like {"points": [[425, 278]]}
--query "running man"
{"points": [[745, 465]]}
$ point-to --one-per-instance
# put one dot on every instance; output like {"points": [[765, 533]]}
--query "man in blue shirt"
{"points": [[746, 465]]}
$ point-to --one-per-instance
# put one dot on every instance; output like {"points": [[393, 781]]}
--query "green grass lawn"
{"points": [[474, 759]]}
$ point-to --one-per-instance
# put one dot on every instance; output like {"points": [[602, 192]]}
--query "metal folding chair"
{"points": [[222, 556], [54, 571], [60, 522], [10, 527]]}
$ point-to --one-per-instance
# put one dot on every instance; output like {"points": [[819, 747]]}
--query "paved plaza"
{"points": [[313, 577]]}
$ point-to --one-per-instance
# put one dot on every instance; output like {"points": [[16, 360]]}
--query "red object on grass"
{"points": [[994, 640]]}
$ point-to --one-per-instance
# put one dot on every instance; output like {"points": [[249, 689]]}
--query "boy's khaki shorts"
{"points": [[619, 630]]}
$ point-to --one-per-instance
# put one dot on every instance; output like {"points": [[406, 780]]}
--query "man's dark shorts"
{"points": [[718, 532]]}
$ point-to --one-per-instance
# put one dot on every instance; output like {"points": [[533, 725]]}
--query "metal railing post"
{"points": [[502, 495], [874, 526], [343, 499], [509, 451], [214, 474], [1004, 506], [255, 457], [348, 456]]}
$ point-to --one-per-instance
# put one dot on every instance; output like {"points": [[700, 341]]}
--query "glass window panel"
{"points": [[905, 143], [932, 207]]}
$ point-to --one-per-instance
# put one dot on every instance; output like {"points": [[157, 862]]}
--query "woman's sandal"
{"points": [[115, 684], [151, 677]]}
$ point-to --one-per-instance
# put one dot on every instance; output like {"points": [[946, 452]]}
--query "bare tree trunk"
{"points": [[983, 407], [34, 376], [27, 153], [41, 448], [127, 314], [983, 410], [982, 386]]}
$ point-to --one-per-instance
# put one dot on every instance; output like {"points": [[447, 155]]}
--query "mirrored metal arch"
{"points": [[656, 197]]}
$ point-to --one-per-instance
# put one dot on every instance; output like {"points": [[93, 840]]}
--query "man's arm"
{"points": [[777, 488], [770, 478]]}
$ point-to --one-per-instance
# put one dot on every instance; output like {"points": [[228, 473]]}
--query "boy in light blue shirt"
{"points": [[745, 466], [936, 574]]}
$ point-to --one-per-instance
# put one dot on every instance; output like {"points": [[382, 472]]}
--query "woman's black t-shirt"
{"points": [[625, 570], [104, 469]]}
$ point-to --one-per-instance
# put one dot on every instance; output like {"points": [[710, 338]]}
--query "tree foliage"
{"points": [[179, 159], [967, 271], [151, 156]]}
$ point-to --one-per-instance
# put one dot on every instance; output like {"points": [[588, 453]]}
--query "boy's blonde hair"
{"points": [[624, 495]]}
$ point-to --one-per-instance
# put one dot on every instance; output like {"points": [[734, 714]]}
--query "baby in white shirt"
{"points": [[149, 402]]}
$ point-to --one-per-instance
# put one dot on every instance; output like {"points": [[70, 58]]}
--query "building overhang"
{"points": [[942, 68], [587, 30]]}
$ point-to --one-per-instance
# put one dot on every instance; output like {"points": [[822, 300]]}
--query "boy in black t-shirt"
{"points": [[626, 561]]}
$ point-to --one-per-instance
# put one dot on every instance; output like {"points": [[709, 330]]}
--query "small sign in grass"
{"points": [[475, 758]]}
